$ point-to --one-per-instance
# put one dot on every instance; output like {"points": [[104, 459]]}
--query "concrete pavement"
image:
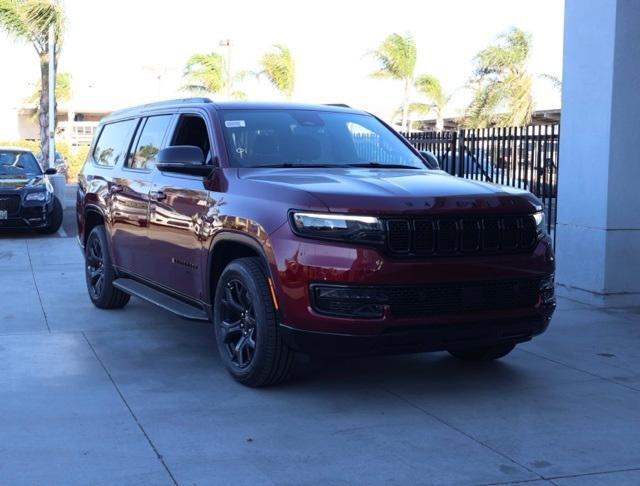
{"points": [[138, 396]]}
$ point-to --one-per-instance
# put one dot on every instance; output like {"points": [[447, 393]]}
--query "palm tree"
{"points": [[415, 110], [278, 67], [63, 88], [29, 21], [207, 74], [430, 87], [501, 80], [396, 57]]}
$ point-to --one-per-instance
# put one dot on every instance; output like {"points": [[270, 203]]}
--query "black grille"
{"points": [[10, 203], [468, 235], [455, 298], [399, 235]]}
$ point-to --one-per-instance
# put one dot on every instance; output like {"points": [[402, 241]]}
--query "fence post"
{"points": [[461, 149], [452, 150]]}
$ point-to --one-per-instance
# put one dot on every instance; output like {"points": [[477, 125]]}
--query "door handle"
{"points": [[157, 195], [117, 188]]}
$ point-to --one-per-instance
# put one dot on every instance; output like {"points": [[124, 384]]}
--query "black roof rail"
{"points": [[160, 104], [342, 105]]}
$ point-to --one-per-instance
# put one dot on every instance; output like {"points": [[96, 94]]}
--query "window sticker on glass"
{"points": [[234, 123]]}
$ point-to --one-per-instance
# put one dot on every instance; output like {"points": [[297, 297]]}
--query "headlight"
{"points": [[331, 226], [538, 217], [37, 196]]}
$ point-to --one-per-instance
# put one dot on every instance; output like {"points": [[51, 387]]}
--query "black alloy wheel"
{"points": [[100, 273], [247, 327], [95, 268], [238, 327]]}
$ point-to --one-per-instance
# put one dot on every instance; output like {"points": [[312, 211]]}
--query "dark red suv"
{"points": [[307, 228]]}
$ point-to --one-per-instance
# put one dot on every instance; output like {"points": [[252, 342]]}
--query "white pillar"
{"points": [[598, 230]]}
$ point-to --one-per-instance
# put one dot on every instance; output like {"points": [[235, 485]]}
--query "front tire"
{"points": [[246, 326], [54, 219], [100, 273], [485, 353]]}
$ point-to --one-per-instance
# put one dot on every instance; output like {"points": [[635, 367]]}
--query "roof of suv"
{"points": [[226, 105]]}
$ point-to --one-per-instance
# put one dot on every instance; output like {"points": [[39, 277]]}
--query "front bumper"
{"points": [[439, 337], [33, 218], [298, 264]]}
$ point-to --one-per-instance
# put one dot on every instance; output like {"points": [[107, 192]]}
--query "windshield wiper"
{"points": [[379, 165], [376, 165], [288, 165]]}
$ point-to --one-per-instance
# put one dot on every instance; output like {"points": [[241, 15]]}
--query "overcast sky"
{"points": [[116, 49]]}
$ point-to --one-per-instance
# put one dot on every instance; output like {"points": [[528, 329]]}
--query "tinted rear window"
{"points": [[143, 155], [113, 143]]}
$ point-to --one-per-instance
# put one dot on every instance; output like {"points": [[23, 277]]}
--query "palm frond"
{"points": [[239, 95], [429, 86], [415, 109], [396, 57], [481, 111], [205, 73], [279, 69], [63, 89], [501, 81], [554, 80], [29, 20]]}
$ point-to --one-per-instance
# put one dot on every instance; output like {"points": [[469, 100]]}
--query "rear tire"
{"points": [[246, 326], [486, 353], [54, 219], [100, 273]]}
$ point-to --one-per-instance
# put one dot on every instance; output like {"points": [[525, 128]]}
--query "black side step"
{"points": [[161, 299]]}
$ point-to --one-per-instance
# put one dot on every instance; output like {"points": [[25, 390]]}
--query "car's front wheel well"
{"points": [[225, 252], [92, 219]]}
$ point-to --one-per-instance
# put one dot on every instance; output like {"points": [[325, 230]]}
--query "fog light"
{"points": [[547, 290], [349, 301]]}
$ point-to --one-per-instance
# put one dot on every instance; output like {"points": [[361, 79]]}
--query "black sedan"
{"points": [[27, 199]]}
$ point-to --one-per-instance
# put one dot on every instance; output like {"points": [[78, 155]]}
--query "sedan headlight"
{"points": [[40, 196], [368, 229], [540, 220]]}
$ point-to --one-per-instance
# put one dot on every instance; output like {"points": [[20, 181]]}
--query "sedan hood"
{"points": [[8, 182], [380, 191]]}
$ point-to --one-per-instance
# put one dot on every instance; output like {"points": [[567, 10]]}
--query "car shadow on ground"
{"points": [[423, 370], [418, 371]]}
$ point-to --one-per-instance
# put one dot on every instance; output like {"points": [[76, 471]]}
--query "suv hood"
{"points": [[380, 191]]}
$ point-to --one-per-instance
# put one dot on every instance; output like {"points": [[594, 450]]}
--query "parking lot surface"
{"points": [[139, 396]]}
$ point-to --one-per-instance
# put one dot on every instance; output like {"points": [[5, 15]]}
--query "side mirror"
{"points": [[432, 160], [183, 159], [50, 171]]}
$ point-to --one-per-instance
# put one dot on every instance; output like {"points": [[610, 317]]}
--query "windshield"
{"points": [[15, 163], [305, 138]]}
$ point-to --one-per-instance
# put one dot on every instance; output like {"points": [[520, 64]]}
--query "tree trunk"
{"points": [[405, 106], [43, 109], [439, 121]]}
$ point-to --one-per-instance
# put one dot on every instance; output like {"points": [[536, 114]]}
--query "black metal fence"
{"points": [[523, 157]]}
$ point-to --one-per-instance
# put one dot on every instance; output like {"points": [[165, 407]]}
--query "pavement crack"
{"points": [[596, 473], [460, 431], [35, 283], [575, 368], [131, 412]]}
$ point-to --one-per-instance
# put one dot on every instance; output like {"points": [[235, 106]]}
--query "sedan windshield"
{"points": [[16, 163], [306, 138]]}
